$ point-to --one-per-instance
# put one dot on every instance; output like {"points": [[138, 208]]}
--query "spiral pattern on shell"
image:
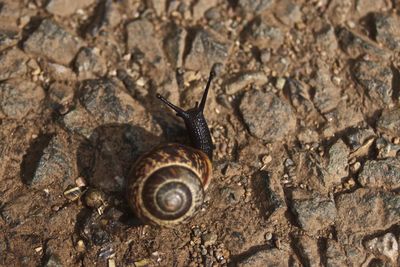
{"points": [[166, 185]]}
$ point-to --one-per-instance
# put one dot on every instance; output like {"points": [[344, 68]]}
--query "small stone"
{"points": [[326, 38], [89, 63], [263, 34], [59, 72], [201, 7], [53, 42], [209, 239], [385, 245], [387, 30], [174, 45], [309, 250], [335, 255], [207, 49], [19, 98], [367, 6], [244, 79], [327, 95], [359, 137], [94, 198], [53, 261], [13, 64], [387, 149], [7, 39], [267, 116], [256, 6], [381, 173], [337, 168], [288, 12], [106, 100], [142, 42], [389, 122], [366, 211], [60, 95], [272, 257], [355, 45], [313, 212], [65, 7], [375, 78], [54, 166]]}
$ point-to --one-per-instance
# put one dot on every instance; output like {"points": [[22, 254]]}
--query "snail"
{"points": [[166, 185]]}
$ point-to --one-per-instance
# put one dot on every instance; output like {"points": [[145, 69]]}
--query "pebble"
{"points": [[375, 78], [7, 39], [263, 33], [327, 95], [244, 79], [89, 63], [107, 101], [386, 30], [358, 137], [53, 261], [335, 255], [313, 212], [356, 45], [60, 96], [65, 8], [201, 7], [142, 41], [288, 12], [207, 49], [366, 211], [53, 42], [389, 122], [326, 38], [256, 6], [385, 245], [337, 168], [13, 64], [209, 239], [55, 164], [309, 250], [270, 257], [381, 173], [174, 45], [266, 116], [19, 99]]}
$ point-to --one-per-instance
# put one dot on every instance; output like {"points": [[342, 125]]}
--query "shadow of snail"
{"points": [[166, 185]]}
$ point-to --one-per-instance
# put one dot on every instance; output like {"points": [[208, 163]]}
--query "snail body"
{"points": [[166, 185]]}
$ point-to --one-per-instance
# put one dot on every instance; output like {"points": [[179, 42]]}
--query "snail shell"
{"points": [[167, 184]]}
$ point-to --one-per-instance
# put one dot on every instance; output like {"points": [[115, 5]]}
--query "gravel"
{"points": [[313, 213], [13, 64], [366, 210], [381, 173], [389, 122], [266, 116], [375, 79], [51, 41], [207, 49]]}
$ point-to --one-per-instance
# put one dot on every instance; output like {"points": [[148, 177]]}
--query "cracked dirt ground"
{"points": [[304, 116]]}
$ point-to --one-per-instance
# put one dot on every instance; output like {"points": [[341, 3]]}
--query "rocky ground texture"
{"points": [[304, 116]]}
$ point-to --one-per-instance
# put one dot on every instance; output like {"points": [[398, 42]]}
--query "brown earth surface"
{"points": [[304, 116]]}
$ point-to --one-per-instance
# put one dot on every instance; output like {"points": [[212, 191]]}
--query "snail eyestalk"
{"points": [[179, 112]]}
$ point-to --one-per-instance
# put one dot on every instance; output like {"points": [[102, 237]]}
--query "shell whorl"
{"points": [[167, 184]]}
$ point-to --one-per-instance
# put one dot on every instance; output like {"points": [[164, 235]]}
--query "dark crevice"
{"points": [[248, 253]]}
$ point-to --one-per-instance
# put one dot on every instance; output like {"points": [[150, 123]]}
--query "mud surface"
{"points": [[304, 116]]}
